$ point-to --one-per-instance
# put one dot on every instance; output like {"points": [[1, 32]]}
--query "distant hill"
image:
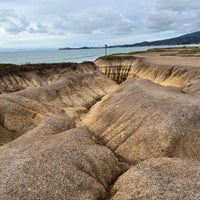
{"points": [[192, 38]]}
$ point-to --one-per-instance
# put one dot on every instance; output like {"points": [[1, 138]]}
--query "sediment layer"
{"points": [[150, 66]]}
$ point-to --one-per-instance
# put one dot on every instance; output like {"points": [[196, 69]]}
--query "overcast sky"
{"points": [[75, 23]]}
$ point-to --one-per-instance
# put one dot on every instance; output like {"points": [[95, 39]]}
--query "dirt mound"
{"points": [[163, 178], [141, 120]]}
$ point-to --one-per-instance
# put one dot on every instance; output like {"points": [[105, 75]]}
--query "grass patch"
{"points": [[136, 52], [157, 50], [168, 54], [116, 57], [190, 51], [171, 51]]}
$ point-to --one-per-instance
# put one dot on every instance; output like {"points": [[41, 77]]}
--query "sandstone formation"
{"points": [[68, 132], [14, 77], [141, 120], [162, 178], [56, 163], [75, 93], [158, 67]]}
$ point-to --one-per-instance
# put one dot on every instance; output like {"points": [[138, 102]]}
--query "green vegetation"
{"points": [[169, 54], [136, 52], [157, 50], [117, 56], [184, 51], [8, 69], [171, 51]]}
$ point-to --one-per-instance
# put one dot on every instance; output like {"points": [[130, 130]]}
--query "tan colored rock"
{"points": [[177, 71], [18, 77], [47, 163], [156, 179], [48, 151], [142, 120], [74, 93]]}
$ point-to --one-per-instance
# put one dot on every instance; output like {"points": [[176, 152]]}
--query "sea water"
{"points": [[58, 56]]}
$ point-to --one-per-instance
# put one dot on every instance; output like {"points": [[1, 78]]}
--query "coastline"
{"points": [[123, 126]]}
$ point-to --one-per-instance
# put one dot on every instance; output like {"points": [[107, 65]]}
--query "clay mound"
{"points": [[163, 178], [47, 163], [141, 120]]}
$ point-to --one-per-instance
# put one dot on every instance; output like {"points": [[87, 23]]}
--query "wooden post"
{"points": [[106, 46]]}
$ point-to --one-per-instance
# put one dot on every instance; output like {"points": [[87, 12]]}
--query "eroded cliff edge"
{"points": [[79, 135], [167, 67]]}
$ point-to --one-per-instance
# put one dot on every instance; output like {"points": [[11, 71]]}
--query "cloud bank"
{"points": [[75, 23]]}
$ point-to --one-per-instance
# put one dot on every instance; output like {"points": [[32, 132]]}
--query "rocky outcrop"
{"points": [[75, 94], [163, 178], [142, 120], [56, 163], [119, 68], [116, 68], [18, 77], [68, 132], [44, 153]]}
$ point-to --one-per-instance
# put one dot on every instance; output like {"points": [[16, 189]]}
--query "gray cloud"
{"points": [[162, 20], [176, 16], [37, 28], [89, 22], [95, 21], [14, 23], [177, 5]]}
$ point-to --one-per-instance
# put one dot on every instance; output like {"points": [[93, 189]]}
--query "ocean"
{"points": [[58, 56]]}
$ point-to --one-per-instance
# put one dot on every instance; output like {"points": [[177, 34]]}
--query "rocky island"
{"points": [[126, 126]]}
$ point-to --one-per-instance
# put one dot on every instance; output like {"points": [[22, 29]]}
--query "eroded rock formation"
{"points": [[162, 178], [141, 120], [75, 93], [56, 163], [68, 132], [181, 72]]}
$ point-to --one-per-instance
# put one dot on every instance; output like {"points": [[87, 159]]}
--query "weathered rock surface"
{"points": [[68, 132], [75, 93], [162, 178], [47, 163], [46, 155], [141, 120], [15, 77], [178, 71]]}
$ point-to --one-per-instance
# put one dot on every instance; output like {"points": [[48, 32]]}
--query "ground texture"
{"points": [[68, 132]]}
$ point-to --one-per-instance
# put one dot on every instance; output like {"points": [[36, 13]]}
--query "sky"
{"points": [[75, 23]]}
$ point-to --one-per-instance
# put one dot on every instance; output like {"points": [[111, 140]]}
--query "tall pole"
{"points": [[106, 46]]}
